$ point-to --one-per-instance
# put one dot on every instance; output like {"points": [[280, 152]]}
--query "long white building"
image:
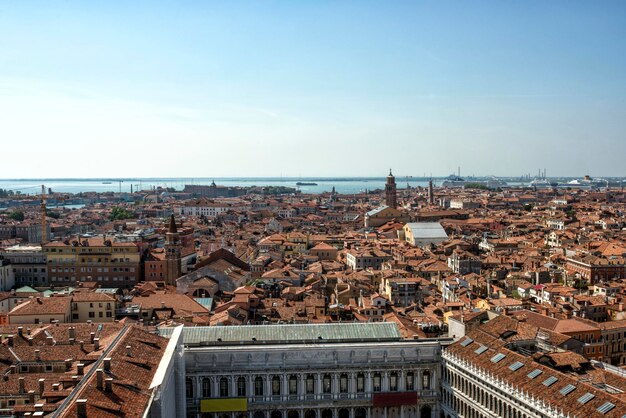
{"points": [[355, 370]]}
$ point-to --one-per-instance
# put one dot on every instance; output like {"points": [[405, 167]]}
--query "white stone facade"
{"points": [[329, 380]]}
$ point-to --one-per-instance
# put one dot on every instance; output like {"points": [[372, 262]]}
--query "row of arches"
{"points": [[481, 399], [298, 384], [424, 412]]}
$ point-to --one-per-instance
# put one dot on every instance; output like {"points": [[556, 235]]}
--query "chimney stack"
{"points": [[38, 355], [72, 332], [41, 385], [31, 397], [107, 364], [128, 351], [50, 340], [56, 386], [81, 408], [10, 340], [82, 345], [20, 331], [108, 385], [99, 379], [81, 368], [92, 335], [96, 343], [20, 383]]}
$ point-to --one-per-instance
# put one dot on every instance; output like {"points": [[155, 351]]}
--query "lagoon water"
{"points": [[344, 185]]}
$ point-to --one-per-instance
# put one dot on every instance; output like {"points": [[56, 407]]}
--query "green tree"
{"points": [[118, 213], [17, 215]]}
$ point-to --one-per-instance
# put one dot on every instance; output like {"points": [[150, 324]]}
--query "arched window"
{"points": [[241, 386], [189, 388], [410, 381], [310, 384], [223, 387], [206, 387], [276, 385], [293, 384], [426, 380], [327, 383], [393, 381], [343, 383], [376, 383], [360, 383], [258, 386]]}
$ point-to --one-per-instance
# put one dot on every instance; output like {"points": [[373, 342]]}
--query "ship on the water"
{"points": [[456, 181], [304, 183]]}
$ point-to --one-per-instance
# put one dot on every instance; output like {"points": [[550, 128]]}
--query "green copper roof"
{"points": [[288, 333]]}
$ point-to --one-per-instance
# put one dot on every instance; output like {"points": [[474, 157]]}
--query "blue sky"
{"points": [[312, 88]]}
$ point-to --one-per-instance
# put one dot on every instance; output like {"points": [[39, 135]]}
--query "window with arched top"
{"points": [[343, 383], [410, 381], [360, 383], [223, 387], [393, 381], [376, 382], [293, 384], [241, 386], [206, 387], [327, 383], [258, 386], [426, 380], [310, 384], [276, 385]]}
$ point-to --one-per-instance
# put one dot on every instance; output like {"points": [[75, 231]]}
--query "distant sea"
{"points": [[344, 185]]}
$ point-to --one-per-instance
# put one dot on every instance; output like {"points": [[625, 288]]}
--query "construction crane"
{"points": [[44, 228]]}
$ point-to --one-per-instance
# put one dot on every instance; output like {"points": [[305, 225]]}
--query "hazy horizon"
{"points": [[306, 89]]}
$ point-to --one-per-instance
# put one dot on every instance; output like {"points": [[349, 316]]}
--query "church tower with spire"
{"points": [[390, 191], [173, 250]]}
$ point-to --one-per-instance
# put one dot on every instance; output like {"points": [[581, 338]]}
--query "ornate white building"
{"points": [[357, 370]]}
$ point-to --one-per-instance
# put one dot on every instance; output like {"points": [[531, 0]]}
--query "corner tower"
{"points": [[173, 249], [390, 191]]}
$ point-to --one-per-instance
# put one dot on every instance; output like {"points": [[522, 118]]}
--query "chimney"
{"points": [[41, 385], [96, 343], [71, 341], [27, 331], [31, 397], [107, 364], [108, 385], [80, 367], [10, 340], [68, 363], [30, 340], [20, 382], [82, 345], [72, 332], [50, 340], [128, 351], [56, 386], [20, 331], [81, 408], [162, 305], [13, 369], [39, 407], [92, 335], [99, 378], [38, 355]]}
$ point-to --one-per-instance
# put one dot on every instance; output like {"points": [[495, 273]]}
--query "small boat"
{"points": [[106, 182], [303, 183]]}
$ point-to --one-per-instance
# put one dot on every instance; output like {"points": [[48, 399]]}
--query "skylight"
{"points": [[467, 342], [516, 366], [534, 373], [586, 398], [497, 357], [606, 407], [480, 349], [550, 381], [567, 390]]}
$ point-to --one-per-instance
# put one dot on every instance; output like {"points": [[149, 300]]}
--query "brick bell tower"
{"points": [[390, 191], [173, 249]]}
